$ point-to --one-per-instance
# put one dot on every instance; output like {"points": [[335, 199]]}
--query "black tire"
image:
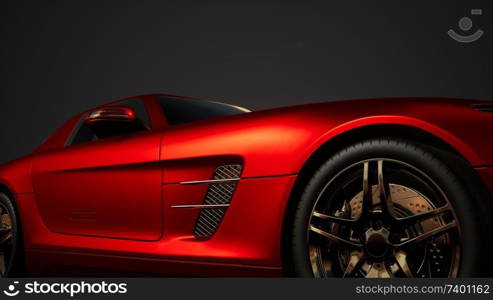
{"points": [[13, 250], [471, 209]]}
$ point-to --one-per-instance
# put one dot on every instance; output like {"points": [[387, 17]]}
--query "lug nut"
{"points": [[377, 224]]}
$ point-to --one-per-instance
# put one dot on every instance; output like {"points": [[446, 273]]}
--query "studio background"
{"points": [[58, 58]]}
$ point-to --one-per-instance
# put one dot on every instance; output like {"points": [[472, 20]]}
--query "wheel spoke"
{"points": [[401, 258], [5, 229], [384, 192], [4, 238], [378, 270], [355, 262], [425, 215], [335, 238], [367, 190], [334, 219], [427, 235]]}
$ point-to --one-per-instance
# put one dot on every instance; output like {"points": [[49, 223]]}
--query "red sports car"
{"points": [[169, 185]]}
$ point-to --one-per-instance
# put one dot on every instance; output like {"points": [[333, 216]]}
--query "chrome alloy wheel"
{"points": [[6, 244], [383, 218]]}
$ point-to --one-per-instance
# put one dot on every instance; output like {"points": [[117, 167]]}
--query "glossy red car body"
{"points": [[107, 205]]}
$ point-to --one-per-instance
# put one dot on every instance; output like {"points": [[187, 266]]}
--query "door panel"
{"points": [[107, 188]]}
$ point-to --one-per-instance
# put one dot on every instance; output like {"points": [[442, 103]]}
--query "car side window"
{"points": [[181, 111], [83, 134]]}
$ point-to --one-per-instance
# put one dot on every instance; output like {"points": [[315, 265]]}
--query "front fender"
{"points": [[455, 142], [16, 176]]}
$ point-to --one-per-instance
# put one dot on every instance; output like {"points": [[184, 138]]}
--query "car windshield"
{"points": [[181, 111]]}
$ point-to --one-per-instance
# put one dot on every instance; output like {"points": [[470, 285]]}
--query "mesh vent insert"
{"points": [[217, 193]]}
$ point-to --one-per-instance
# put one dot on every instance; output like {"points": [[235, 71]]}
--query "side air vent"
{"points": [[487, 108], [218, 194]]}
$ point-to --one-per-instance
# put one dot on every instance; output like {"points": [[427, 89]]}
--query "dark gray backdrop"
{"points": [[60, 57]]}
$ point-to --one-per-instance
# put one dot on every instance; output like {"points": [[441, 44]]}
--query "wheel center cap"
{"points": [[377, 242]]}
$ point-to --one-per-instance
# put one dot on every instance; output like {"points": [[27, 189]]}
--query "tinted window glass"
{"points": [[83, 134], [180, 111]]}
